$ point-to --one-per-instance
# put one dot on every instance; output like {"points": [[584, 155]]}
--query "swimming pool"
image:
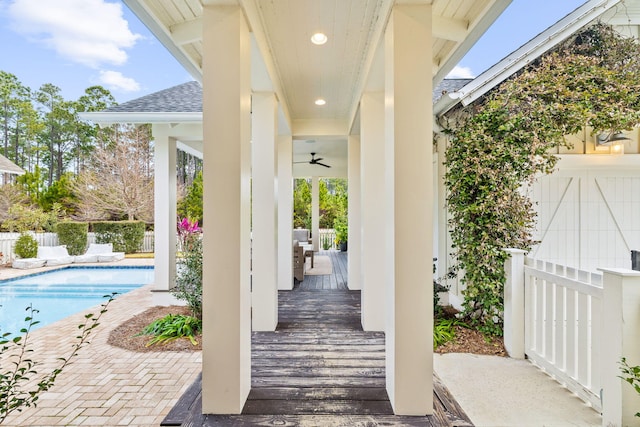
{"points": [[63, 292]]}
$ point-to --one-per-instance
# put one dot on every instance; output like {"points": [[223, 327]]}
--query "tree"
{"points": [[504, 142], [191, 204], [119, 182]]}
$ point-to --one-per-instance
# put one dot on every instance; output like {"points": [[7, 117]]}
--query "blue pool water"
{"points": [[61, 293]]}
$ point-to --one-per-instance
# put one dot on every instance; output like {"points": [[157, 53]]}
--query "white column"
{"points": [[285, 212], [374, 221], [315, 212], [409, 140], [264, 256], [514, 303], [164, 214], [226, 297], [620, 328], [355, 225]]}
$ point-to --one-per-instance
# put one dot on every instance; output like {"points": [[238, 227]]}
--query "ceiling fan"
{"points": [[315, 161]]}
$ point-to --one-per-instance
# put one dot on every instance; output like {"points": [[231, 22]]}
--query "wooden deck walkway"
{"points": [[319, 368]]}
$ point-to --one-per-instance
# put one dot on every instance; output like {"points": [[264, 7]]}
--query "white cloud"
{"points": [[460, 73], [115, 80], [90, 32]]}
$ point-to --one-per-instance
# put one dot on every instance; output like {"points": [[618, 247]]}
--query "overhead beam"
{"points": [[187, 32], [450, 29]]}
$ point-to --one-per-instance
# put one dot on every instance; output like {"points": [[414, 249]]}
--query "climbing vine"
{"points": [[500, 145]]}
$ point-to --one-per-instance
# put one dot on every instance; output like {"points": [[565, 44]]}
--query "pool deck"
{"points": [[105, 385]]}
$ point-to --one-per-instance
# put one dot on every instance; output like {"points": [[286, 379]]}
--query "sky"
{"points": [[75, 44]]}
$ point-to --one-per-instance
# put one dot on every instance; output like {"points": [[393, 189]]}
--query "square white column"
{"points": [[315, 212], [226, 297], [164, 211], [409, 145], [285, 212], [374, 222], [264, 254], [355, 215]]}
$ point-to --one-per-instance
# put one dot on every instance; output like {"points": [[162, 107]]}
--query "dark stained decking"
{"points": [[336, 280], [319, 368]]}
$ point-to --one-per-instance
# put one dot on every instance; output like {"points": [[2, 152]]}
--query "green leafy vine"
{"points": [[501, 144]]}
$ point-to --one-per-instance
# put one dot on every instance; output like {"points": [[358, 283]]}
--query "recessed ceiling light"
{"points": [[319, 38], [320, 101]]}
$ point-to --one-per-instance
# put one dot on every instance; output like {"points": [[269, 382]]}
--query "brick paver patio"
{"points": [[105, 385]]}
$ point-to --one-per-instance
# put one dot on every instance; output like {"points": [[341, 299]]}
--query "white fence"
{"points": [[8, 241], [327, 238], [576, 325]]}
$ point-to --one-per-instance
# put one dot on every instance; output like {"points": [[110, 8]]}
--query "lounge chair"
{"points": [[54, 255], [100, 252], [27, 263]]}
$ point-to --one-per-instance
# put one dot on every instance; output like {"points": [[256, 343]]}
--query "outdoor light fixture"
{"points": [[611, 138], [319, 38], [614, 140], [320, 101]]}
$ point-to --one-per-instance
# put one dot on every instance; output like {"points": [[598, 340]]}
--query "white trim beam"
{"points": [[450, 29], [187, 32]]}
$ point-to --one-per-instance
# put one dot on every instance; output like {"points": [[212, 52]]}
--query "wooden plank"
{"points": [[325, 407], [278, 371], [325, 393], [318, 382], [455, 413], [320, 368], [316, 420], [181, 409]]}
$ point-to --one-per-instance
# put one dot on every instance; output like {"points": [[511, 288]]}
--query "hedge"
{"points": [[126, 236], [73, 235]]}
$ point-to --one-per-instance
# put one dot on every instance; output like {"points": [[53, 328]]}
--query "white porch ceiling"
{"points": [[286, 62]]}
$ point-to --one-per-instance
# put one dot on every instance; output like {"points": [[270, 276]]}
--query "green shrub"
{"points": [[73, 235], [171, 327], [26, 246], [631, 374], [126, 236], [189, 278], [444, 331]]}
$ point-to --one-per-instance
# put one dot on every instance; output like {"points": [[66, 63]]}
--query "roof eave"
{"points": [[105, 118], [533, 49]]}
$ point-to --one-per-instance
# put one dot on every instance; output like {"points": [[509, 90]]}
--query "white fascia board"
{"points": [[486, 20], [106, 118], [163, 34], [533, 49]]}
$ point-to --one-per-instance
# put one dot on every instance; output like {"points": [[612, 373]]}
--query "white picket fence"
{"points": [[577, 326], [8, 241], [563, 326]]}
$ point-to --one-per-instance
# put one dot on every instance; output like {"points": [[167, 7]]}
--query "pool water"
{"points": [[61, 293]]}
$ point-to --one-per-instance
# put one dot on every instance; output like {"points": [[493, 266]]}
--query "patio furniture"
{"points": [[27, 263], [100, 252], [303, 236], [298, 261], [54, 255]]}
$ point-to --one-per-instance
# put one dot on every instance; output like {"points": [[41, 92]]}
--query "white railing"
{"points": [[563, 326], [8, 241], [577, 326], [327, 238]]}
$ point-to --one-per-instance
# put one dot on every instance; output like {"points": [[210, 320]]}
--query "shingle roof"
{"points": [[184, 98], [7, 166], [448, 86], [187, 98]]}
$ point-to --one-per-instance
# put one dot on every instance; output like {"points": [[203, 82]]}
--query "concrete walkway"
{"points": [[502, 392], [105, 385]]}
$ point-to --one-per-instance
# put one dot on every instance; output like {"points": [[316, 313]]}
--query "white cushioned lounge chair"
{"points": [[27, 263], [100, 252], [54, 255]]}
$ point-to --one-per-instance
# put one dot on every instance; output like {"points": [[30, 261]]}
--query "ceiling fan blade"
{"points": [[322, 164]]}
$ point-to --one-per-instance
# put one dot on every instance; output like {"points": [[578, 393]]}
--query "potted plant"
{"points": [[341, 226]]}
